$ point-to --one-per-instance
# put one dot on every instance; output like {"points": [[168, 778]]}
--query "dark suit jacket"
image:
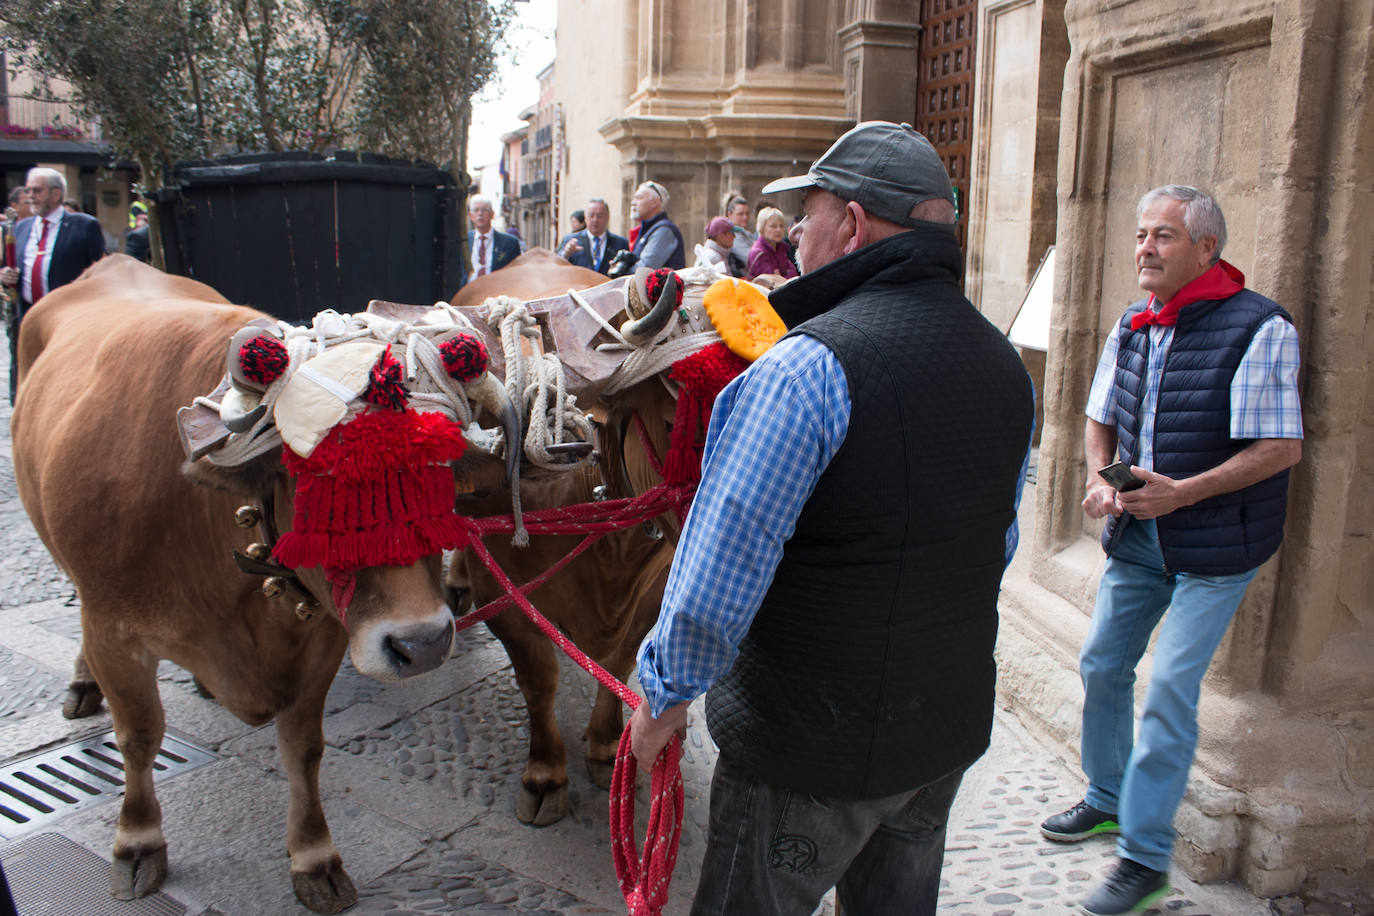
{"points": [[80, 243], [136, 245], [505, 248], [583, 258]]}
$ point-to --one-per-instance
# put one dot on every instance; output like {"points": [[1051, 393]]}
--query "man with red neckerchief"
{"points": [[1196, 390]]}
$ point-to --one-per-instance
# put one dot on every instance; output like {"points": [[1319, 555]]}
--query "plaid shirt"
{"points": [[1264, 390], [773, 432]]}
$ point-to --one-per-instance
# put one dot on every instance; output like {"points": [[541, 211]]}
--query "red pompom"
{"points": [[653, 284], [385, 386], [263, 359], [465, 357]]}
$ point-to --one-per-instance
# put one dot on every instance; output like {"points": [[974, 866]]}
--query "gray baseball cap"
{"points": [[886, 168]]}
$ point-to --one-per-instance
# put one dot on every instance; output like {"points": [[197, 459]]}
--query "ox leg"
{"points": [[317, 872], [603, 731], [129, 674], [543, 798], [607, 721], [83, 693]]}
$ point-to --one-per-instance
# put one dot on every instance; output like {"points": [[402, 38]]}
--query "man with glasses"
{"points": [[52, 248], [594, 246]]}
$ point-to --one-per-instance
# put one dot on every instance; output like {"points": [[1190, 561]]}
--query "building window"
{"points": [[958, 60], [956, 97], [931, 107], [953, 130], [944, 99], [945, 61]]}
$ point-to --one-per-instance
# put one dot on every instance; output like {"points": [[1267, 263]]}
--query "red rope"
{"points": [[643, 881]]}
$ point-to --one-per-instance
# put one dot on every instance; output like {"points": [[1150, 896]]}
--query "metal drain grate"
{"points": [[44, 788]]}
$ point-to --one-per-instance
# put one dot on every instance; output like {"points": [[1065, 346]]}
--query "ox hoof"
{"points": [[329, 891], [540, 809], [82, 700], [138, 876], [601, 772]]}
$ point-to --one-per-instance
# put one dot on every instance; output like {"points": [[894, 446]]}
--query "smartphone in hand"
{"points": [[1119, 475]]}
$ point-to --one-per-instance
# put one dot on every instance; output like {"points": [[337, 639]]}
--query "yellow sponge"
{"points": [[743, 317]]}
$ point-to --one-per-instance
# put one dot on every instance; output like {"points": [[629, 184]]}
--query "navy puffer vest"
{"points": [[868, 669], [1226, 534]]}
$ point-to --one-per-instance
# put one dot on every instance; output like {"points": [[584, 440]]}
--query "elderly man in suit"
{"points": [[52, 247], [594, 246], [491, 249]]}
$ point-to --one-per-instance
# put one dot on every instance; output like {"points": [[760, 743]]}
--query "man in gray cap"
{"points": [[835, 587]]}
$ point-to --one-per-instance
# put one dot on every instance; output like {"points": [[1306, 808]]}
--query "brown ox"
{"points": [[104, 364], [605, 600]]}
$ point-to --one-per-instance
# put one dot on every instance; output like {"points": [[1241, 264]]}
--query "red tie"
{"points": [[482, 257], [36, 290]]}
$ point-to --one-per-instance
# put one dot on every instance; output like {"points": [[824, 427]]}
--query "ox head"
{"points": [[365, 469]]}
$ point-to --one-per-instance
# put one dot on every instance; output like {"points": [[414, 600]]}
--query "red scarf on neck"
{"points": [[1220, 281]]}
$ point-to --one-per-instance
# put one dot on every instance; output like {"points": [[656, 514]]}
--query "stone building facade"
{"points": [[708, 98], [1082, 107]]}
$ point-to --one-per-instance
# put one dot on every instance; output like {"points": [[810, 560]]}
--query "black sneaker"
{"points": [[1130, 887], [1078, 823]]}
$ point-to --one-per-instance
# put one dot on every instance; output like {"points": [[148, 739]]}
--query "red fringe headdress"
{"points": [[376, 491]]}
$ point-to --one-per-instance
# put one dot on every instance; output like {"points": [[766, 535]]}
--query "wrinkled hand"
{"points": [[570, 249], [9, 277], [1101, 501], [1160, 495], [649, 736]]}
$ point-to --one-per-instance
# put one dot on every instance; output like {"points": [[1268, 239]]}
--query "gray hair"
{"points": [[1201, 213], [599, 200], [477, 199], [51, 177]]}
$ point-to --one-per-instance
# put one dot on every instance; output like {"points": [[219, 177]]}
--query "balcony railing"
{"points": [[534, 191], [543, 138], [24, 117]]}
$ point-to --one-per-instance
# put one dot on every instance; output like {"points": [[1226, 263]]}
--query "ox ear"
{"points": [[248, 481]]}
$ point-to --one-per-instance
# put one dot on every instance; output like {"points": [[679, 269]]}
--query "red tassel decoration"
{"points": [[263, 359], [377, 491], [386, 383], [702, 376], [465, 357]]}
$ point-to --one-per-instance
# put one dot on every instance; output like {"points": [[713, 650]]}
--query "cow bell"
{"points": [[258, 550], [274, 586], [247, 516], [306, 609]]}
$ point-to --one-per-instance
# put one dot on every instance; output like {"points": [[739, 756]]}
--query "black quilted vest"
{"points": [[1226, 534], [868, 669]]}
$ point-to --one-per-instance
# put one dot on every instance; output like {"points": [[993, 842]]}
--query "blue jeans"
{"points": [[770, 850], [1142, 782]]}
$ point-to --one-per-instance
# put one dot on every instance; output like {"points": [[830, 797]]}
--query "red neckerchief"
{"points": [[1221, 281]]}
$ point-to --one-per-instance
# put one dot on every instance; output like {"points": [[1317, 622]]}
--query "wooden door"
{"points": [[944, 84]]}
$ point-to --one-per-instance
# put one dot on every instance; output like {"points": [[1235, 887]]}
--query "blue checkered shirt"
{"points": [[773, 432], [1264, 390]]}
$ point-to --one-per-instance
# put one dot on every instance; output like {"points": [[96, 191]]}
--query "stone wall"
{"points": [[1266, 103]]}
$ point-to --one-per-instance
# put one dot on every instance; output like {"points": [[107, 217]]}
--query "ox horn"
{"points": [[488, 392], [643, 330]]}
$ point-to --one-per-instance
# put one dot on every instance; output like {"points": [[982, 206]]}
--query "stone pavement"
{"points": [[419, 783]]}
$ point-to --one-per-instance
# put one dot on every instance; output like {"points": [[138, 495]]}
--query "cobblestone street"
{"points": [[419, 782]]}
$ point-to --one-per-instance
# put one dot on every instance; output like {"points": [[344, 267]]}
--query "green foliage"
{"points": [[185, 79]]}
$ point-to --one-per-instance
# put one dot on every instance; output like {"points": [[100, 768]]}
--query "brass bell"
{"points": [[258, 551], [306, 609], [247, 516], [274, 586]]}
